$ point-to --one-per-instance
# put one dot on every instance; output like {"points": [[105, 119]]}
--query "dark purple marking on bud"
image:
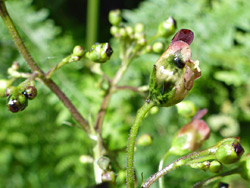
{"points": [[14, 105], [30, 92], [109, 51], [238, 148], [223, 185], [184, 35], [178, 61]]}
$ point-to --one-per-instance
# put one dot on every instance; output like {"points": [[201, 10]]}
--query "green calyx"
{"points": [[229, 150], [166, 75], [78, 51], [100, 52], [215, 166]]}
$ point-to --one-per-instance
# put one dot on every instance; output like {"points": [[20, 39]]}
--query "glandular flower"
{"points": [[174, 72]]}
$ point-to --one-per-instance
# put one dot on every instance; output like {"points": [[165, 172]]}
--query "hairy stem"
{"points": [[200, 156], [131, 140], [35, 68], [215, 178], [161, 164]]}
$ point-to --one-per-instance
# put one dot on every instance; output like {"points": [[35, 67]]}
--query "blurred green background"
{"points": [[38, 148]]}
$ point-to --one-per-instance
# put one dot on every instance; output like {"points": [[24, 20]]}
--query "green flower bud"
{"points": [[158, 47], [144, 140], [74, 58], [245, 167], [30, 92], [104, 163], [167, 28], [139, 28], [123, 32], [108, 176], [186, 108], [215, 166], [148, 49], [115, 17], [17, 102], [229, 150], [222, 185], [99, 53], [114, 30], [78, 51], [174, 73], [129, 30], [190, 137]]}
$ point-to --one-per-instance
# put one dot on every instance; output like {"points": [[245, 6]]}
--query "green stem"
{"points": [[215, 178], [131, 140], [35, 68], [202, 156], [161, 164], [92, 22], [65, 61]]}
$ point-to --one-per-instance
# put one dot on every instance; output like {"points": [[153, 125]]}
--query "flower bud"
{"points": [[167, 28], [115, 17], [30, 92], [215, 166], [144, 140], [78, 51], [114, 30], [148, 49], [99, 53], [17, 102], [11, 90], [174, 72], [104, 163], [139, 28], [190, 137], [222, 185], [123, 32], [129, 30], [158, 47], [186, 108], [108, 176], [229, 150], [245, 167]]}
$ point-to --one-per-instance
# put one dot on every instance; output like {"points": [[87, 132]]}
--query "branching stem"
{"points": [[35, 68], [204, 155]]}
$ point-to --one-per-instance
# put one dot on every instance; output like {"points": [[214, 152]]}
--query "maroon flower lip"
{"points": [[184, 35]]}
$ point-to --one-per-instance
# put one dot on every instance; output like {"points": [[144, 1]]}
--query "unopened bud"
{"points": [[139, 28], [229, 150], [123, 32], [167, 28], [114, 30], [108, 176], [17, 103], [104, 163], [245, 167], [190, 137], [115, 17], [30, 92], [158, 47], [78, 51], [215, 166], [129, 30], [186, 108], [99, 53], [144, 140]]}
